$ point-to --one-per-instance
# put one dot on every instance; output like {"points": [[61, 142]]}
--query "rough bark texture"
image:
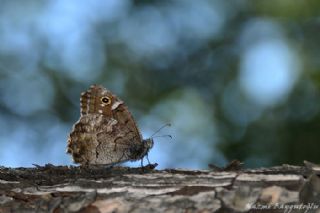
{"points": [[121, 189]]}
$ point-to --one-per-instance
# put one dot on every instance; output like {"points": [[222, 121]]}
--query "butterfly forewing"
{"points": [[106, 132]]}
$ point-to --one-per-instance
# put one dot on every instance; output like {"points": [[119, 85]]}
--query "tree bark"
{"points": [[96, 189]]}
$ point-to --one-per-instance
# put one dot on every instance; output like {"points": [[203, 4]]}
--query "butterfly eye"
{"points": [[106, 100]]}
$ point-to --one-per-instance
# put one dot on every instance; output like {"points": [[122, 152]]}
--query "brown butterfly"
{"points": [[106, 132]]}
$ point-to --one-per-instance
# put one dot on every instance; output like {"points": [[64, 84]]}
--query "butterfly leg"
{"points": [[148, 159], [141, 162]]}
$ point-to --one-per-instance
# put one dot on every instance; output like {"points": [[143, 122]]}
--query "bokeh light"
{"points": [[236, 79]]}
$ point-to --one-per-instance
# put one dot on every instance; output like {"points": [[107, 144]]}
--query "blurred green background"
{"points": [[236, 79]]}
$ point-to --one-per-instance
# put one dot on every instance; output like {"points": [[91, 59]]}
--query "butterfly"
{"points": [[106, 132]]}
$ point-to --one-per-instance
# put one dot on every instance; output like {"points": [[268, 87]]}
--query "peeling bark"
{"points": [[122, 189]]}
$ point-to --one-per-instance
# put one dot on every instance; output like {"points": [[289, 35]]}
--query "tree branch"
{"points": [[121, 189]]}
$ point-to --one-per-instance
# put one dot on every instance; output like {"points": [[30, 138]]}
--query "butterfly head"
{"points": [[98, 100], [147, 145]]}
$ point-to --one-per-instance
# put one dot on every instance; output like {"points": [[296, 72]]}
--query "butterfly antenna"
{"points": [[163, 136], [167, 124]]}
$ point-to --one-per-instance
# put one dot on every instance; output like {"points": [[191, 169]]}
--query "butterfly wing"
{"points": [[118, 145], [106, 132], [97, 140]]}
